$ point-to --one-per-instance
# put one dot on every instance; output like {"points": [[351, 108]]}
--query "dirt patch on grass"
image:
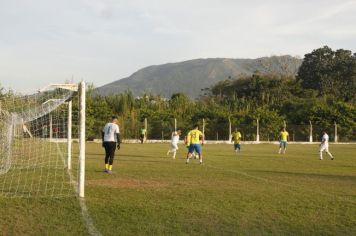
{"points": [[126, 183]]}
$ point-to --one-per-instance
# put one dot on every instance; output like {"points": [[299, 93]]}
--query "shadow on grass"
{"points": [[313, 175], [142, 161]]}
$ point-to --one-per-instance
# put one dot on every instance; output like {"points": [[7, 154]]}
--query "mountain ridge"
{"points": [[191, 76]]}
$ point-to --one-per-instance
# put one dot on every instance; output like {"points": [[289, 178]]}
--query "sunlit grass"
{"points": [[255, 192]]}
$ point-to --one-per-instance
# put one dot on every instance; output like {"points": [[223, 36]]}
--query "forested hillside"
{"points": [[190, 77], [322, 93]]}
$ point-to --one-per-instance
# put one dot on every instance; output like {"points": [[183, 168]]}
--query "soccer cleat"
{"points": [[332, 158], [109, 172], [106, 170]]}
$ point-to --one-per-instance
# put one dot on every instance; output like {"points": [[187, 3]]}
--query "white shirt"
{"points": [[110, 130], [175, 138], [325, 139]]}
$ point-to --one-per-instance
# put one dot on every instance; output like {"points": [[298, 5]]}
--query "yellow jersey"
{"points": [[284, 135], [193, 137], [236, 137]]}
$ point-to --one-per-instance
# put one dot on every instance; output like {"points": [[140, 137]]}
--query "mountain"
{"points": [[191, 76]]}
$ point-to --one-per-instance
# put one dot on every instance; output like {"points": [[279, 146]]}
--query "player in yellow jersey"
{"points": [[186, 144], [283, 138], [236, 138], [193, 142]]}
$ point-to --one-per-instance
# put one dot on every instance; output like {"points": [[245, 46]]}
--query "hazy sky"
{"points": [[100, 41]]}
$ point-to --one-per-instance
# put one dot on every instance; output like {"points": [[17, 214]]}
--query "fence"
{"points": [[220, 130]]}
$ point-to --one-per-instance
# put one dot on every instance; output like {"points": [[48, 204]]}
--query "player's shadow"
{"points": [[126, 158], [94, 156], [143, 161]]}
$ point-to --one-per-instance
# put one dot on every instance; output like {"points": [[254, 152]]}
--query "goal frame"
{"points": [[81, 89]]}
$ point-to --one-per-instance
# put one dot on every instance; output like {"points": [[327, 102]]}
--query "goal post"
{"points": [[82, 99], [36, 142], [69, 136], [81, 89]]}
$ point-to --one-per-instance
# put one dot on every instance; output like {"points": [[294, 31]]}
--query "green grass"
{"points": [[255, 192]]}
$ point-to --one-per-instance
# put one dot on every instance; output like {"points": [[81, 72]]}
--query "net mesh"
{"points": [[33, 145]]}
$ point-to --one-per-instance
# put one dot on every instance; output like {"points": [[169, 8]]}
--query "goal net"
{"points": [[35, 142]]}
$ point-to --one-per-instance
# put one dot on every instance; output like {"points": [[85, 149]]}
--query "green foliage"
{"points": [[322, 93], [332, 73]]}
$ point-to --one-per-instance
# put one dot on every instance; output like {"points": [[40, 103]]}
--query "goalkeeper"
{"points": [[111, 140]]}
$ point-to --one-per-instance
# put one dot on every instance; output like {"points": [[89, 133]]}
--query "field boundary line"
{"points": [[282, 184]]}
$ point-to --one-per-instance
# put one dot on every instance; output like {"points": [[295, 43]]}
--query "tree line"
{"points": [[322, 93]]}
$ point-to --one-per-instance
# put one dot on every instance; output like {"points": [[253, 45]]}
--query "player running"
{"points": [[111, 140], [283, 138], [174, 143], [236, 138], [193, 141], [324, 146], [194, 154]]}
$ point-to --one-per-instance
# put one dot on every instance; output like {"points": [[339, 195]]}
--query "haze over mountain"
{"points": [[190, 77]]}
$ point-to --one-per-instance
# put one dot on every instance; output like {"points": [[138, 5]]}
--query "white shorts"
{"points": [[174, 146], [324, 147]]}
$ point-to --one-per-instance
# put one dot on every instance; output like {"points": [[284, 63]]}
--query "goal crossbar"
{"points": [[31, 159]]}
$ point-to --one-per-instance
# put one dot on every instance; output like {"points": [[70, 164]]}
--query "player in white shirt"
{"points": [[324, 146], [174, 143], [111, 141]]}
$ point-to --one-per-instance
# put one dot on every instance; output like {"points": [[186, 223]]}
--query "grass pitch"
{"points": [[255, 192]]}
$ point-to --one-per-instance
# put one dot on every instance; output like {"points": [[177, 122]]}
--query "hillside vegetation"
{"points": [[323, 93], [190, 77]]}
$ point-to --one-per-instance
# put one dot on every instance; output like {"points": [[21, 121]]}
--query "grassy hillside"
{"points": [[190, 77]]}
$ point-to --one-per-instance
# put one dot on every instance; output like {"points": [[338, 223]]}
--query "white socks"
{"points": [[330, 155]]}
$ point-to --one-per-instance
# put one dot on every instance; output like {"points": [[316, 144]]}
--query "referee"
{"points": [[111, 139]]}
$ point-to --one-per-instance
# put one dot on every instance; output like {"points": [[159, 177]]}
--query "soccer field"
{"points": [[255, 192]]}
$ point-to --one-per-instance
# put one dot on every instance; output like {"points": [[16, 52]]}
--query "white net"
{"points": [[33, 144]]}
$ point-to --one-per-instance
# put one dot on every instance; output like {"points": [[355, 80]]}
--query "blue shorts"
{"points": [[283, 144], [237, 146], [194, 147]]}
